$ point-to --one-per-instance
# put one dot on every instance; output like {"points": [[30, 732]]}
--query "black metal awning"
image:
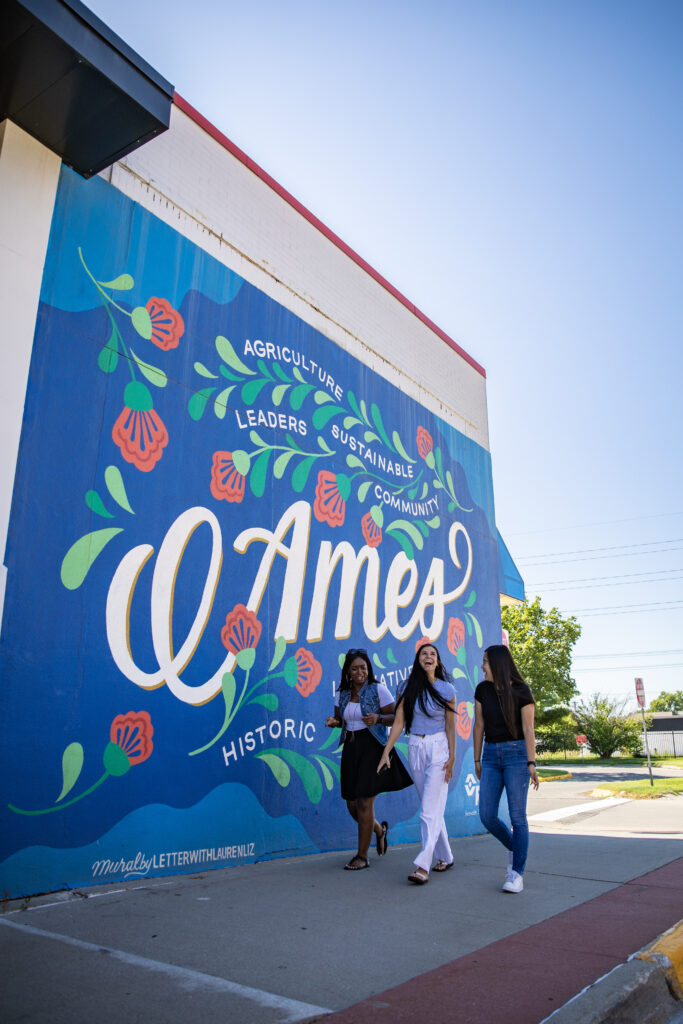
{"points": [[71, 83]]}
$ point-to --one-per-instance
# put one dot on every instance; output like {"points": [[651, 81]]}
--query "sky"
{"points": [[514, 168]]}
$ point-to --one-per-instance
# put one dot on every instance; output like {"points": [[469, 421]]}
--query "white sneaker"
{"points": [[513, 882]]}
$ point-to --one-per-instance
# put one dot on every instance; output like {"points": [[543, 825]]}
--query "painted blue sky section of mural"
{"points": [[174, 417]]}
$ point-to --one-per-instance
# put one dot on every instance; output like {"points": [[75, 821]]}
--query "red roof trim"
{"points": [[224, 141]]}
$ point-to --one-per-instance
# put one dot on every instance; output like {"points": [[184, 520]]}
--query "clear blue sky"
{"points": [[515, 170]]}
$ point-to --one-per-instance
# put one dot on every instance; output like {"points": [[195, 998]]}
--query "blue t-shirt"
{"points": [[435, 720]]}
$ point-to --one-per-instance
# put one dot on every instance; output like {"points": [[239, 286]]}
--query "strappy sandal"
{"points": [[382, 840], [357, 867], [442, 865], [419, 876]]}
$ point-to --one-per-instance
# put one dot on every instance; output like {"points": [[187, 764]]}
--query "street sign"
{"points": [[580, 741], [640, 693]]}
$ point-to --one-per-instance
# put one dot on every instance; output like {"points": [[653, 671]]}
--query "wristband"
{"points": [[529, 763], [477, 761]]}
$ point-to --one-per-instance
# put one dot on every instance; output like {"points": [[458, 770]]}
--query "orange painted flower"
{"points": [[465, 716], [303, 671], [371, 525], [130, 742], [227, 483], [241, 631], [424, 442], [422, 641], [159, 322], [331, 494], [456, 635], [139, 431]]}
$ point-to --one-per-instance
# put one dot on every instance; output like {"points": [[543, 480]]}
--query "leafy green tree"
{"points": [[606, 726], [555, 735], [667, 701], [541, 643]]}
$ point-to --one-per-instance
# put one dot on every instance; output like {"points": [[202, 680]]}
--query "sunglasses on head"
{"points": [[354, 651]]}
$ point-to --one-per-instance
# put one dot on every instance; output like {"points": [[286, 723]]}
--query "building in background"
{"points": [[233, 450]]}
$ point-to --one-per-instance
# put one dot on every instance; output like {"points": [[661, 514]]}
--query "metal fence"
{"points": [[670, 743]]}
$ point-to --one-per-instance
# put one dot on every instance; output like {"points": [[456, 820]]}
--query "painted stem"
{"points": [[59, 807]]}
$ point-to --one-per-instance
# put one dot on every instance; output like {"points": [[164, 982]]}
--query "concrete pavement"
{"points": [[300, 938]]}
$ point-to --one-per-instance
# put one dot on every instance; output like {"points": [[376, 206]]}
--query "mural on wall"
{"points": [[213, 501]]}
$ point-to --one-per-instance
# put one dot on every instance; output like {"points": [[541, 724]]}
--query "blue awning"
{"points": [[510, 582]]}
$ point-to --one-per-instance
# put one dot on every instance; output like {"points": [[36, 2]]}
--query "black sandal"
{"points": [[357, 867], [443, 865], [382, 840]]}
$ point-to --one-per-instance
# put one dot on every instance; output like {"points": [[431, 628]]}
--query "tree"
{"points": [[667, 701], [557, 734], [606, 726], [541, 643]]}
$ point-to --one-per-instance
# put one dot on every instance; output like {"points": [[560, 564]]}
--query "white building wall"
{"points": [[195, 184], [28, 184]]}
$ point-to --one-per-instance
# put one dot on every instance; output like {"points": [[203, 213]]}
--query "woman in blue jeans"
{"points": [[504, 720]]}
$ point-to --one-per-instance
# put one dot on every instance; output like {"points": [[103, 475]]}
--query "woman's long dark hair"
{"points": [[351, 655], [418, 688], [505, 674]]}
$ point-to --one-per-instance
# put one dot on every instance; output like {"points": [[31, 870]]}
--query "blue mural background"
{"points": [[151, 393]]}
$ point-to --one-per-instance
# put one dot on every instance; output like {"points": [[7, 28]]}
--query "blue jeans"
{"points": [[504, 767]]}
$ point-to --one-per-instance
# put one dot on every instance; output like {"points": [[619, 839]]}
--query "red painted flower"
{"points": [[163, 325], [422, 641], [139, 431], [241, 630], [424, 442], [130, 742], [227, 484], [331, 494], [456, 635], [371, 524], [465, 712], [303, 671]]}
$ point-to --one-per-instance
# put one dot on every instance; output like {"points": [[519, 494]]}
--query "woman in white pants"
{"points": [[426, 708]]}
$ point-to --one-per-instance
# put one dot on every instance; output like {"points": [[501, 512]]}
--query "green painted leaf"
{"points": [[257, 476], [279, 392], [122, 283], [229, 689], [451, 506], [292, 443], [327, 775], [220, 402], [391, 657], [278, 653], [142, 322], [81, 555], [225, 372], [322, 443], [322, 398], [477, 628], [197, 403], [434, 523], [297, 395], [350, 421], [413, 533], [379, 424], [370, 436], [297, 373], [203, 371], [462, 656], [471, 598], [280, 464], [457, 673], [403, 541], [256, 440], [72, 762], [116, 487], [300, 474], [425, 488], [322, 416], [108, 358], [152, 373], [353, 462], [230, 357], [354, 404], [364, 412], [306, 772], [251, 390], [268, 700], [468, 624], [332, 765], [438, 486], [95, 503], [263, 370], [449, 481], [412, 493], [278, 768], [398, 445], [279, 372], [333, 738], [363, 490], [377, 661], [422, 527], [439, 460]]}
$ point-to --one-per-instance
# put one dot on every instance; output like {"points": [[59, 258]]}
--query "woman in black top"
{"points": [[504, 718]]}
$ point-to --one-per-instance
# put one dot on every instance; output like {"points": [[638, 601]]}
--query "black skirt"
{"points": [[360, 757]]}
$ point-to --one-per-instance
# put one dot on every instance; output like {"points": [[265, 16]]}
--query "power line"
{"points": [[586, 526], [624, 548], [597, 579], [629, 668], [626, 609], [596, 586], [628, 654]]}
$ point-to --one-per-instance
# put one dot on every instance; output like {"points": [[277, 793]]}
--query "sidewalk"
{"points": [[296, 939]]}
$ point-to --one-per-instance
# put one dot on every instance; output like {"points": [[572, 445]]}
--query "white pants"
{"points": [[427, 756]]}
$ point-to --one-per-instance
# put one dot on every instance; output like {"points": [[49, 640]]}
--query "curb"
{"points": [[647, 989]]}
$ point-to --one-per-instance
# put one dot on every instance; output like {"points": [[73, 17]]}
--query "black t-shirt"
{"points": [[495, 729]]}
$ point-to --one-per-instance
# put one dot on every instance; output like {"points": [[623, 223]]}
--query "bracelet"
{"points": [[529, 763], [477, 761]]}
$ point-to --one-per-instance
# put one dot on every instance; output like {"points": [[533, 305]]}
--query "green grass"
{"points": [[642, 790], [575, 758], [548, 774]]}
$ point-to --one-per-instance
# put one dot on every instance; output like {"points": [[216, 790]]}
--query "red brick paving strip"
{"points": [[523, 978]]}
